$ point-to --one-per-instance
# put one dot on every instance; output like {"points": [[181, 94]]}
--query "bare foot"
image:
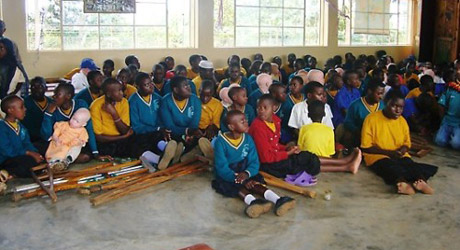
{"points": [[423, 187], [354, 165], [405, 188]]}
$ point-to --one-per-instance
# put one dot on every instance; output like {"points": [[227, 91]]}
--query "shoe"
{"points": [[257, 208], [59, 166], [283, 205], [206, 148], [168, 155], [178, 153], [190, 154]]}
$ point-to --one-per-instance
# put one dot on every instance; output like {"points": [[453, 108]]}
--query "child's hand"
{"points": [[240, 177], [56, 140], [103, 158], [109, 108], [166, 134], [37, 157], [402, 151], [211, 131], [293, 150], [250, 184], [129, 133]]}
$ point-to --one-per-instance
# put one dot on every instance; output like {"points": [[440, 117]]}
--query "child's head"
{"points": [[144, 84], [277, 60], [63, 93], [13, 107], [275, 70], [410, 67], [254, 69], [316, 111], [124, 75], [259, 56], [194, 61], [206, 69], [337, 81], [412, 84], [295, 85], [223, 95], [169, 60], [393, 81], [314, 91], [392, 69], [133, 72], [361, 71], [266, 68], [378, 74], [382, 63], [246, 63], [238, 95], [180, 87], [108, 67], [79, 118], [234, 71], [207, 91], [299, 64], [291, 58], [158, 73], [424, 102], [337, 59], [375, 91], [233, 59], [316, 75], [38, 87], [264, 81], [95, 79], [132, 59], [113, 89], [180, 70], [278, 92], [351, 79], [312, 62], [236, 121], [394, 102], [266, 107]]}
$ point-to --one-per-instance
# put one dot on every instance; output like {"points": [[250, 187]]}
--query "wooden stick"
{"points": [[276, 182], [47, 190], [140, 185]]}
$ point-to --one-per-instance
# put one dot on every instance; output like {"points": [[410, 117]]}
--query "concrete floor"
{"points": [[363, 214]]}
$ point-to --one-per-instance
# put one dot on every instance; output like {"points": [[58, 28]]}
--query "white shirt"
{"points": [[299, 116], [79, 81]]}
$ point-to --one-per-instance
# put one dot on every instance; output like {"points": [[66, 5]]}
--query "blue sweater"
{"points": [[144, 116], [227, 156], [244, 84], [13, 143], [46, 130], [167, 87], [356, 114], [343, 100], [254, 97], [85, 95], [34, 116], [179, 120], [248, 113]]}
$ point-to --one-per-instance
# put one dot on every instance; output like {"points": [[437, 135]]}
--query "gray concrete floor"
{"points": [[363, 213]]}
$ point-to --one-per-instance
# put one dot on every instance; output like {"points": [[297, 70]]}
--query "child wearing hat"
{"points": [[79, 80]]}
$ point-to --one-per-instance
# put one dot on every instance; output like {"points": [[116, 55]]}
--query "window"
{"points": [[374, 22], [268, 23], [62, 25]]}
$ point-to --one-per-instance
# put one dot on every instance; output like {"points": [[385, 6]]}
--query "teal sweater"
{"points": [[13, 143]]}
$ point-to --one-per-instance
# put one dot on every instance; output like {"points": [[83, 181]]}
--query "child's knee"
{"points": [[442, 138], [455, 142]]}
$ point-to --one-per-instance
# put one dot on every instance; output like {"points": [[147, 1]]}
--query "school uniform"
{"points": [[357, 112], [330, 96], [211, 113], [34, 116], [273, 155], [197, 81], [449, 131], [129, 91], [406, 79], [59, 115], [403, 89], [13, 146], [254, 97], [231, 157], [243, 82], [86, 96], [287, 109], [180, 116], [299, 116], [191, 74], [318, 139], [167, 88], [342, 100], [248, 113], [391, 134]]}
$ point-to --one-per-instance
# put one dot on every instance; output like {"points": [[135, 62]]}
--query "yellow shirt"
{"points": [[14, 125], [294, 100], [222, 71], [103, 122], [416, 92], [210, 113], [180, 104], [191, 74], [94, 95], [372, 108], [66, 111], [385, 133], [129, 91], [42, 104], [317, 138], [69, 75], [234, 142], [197, 81], [146, 98], [271, 126], [288, 69], [407, 79]]}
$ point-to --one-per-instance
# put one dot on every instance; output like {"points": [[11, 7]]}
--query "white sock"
{"points": [[271, 196], [248, 199], [151, 157]]}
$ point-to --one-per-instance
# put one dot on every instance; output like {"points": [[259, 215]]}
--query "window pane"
{"points": [[271, 17], [293, 17], [179, 23], [273, 3], [223, 24], [247, 37], [358, 39], [150, 14], [271, 37], [293, 36], [377, 40], [116, 19], [48, 39], [247, 2], [81, 37], [150, 37], [116, 37], [247, 16], [296, 3], [43, 25], [311, 36], [73, 14]]}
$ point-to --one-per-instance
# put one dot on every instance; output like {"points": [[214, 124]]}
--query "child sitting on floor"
{"points": [[108, 67], [92, 92], [239, 102], [395, 84], [318, 138], [275, 158], [426, 86], [278, 92], [422, 114], [346, 95], [235, 77], [67, 140], [36, 104], [211, 110], [385, 141], [17, 154], [158, 79], [124, 76], [237, 170]]}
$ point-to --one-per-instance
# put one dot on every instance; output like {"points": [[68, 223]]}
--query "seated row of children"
{"points": [[175, 125]]}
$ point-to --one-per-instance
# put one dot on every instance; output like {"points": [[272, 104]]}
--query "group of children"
{"points": [[291, 121]]}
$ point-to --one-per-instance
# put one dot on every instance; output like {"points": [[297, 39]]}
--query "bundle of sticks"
{"points": [[276, 182], [420, 146]]}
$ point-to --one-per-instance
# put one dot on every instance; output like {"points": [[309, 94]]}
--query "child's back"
{"points": [[317, 138]]}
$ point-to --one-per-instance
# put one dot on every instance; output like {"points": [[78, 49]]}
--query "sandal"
{"points": [[303, 179]]}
